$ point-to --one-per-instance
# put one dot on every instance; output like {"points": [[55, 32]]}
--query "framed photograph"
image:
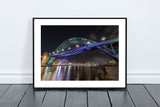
{"points": [[79, 52]]}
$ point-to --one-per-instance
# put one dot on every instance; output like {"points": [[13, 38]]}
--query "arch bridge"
{"points": [[79, 45]]}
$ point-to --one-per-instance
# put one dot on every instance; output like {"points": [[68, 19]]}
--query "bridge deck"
{"points": [[83, 48]]}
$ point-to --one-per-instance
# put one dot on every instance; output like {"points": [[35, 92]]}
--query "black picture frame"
{"points": [[33, 26]]}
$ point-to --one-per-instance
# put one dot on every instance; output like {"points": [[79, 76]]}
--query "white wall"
{"points": [[16, 33]]}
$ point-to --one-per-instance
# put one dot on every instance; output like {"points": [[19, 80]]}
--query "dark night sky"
{"points": [[52, 36]]}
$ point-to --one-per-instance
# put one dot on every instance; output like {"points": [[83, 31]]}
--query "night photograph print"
{"points": [[79, 53]]}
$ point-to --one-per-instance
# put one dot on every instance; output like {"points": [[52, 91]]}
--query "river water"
{"points": [[71, 72]]}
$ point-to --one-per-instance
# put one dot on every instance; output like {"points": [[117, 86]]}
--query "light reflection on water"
{"points": [[70, 72]]}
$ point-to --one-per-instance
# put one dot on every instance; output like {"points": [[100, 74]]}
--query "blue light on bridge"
{"points": [[87, 47]]}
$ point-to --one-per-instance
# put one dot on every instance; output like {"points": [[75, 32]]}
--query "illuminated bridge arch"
{"points": [[72, 42], [84, 44], [69, 47]]}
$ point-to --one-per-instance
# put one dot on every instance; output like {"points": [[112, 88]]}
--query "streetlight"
{"points": [[62, 49], [57, 51], [88, 42], [49, 53], [69, 48], [103, 38], [77, 46], [53, 52]]}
